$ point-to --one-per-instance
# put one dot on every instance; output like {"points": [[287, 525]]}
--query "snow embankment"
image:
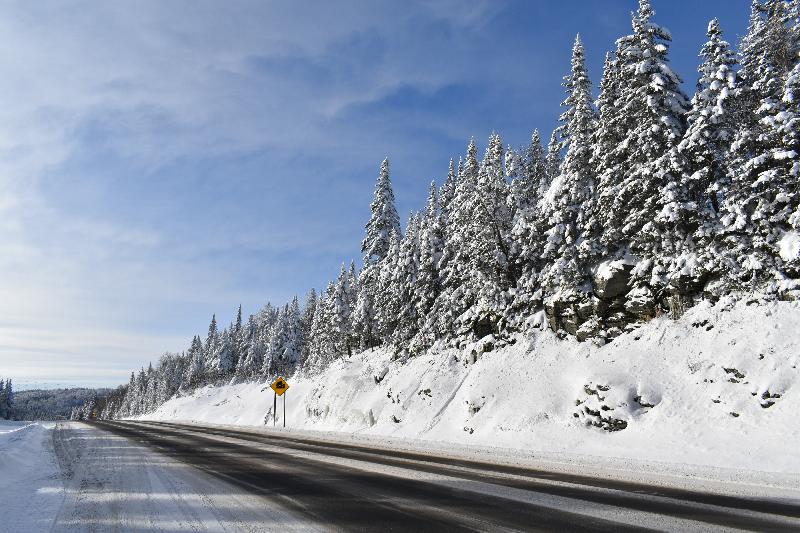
{"points": [[29, 477], [716, 388]]}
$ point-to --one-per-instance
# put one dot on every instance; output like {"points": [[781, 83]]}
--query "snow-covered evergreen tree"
{"points": [[383, 223], [284, 347], [693, 198], [253, 355], [428, 283], [222, 361], [6, 399], [343, 304], [306, 322], [405, 283], [632, 196], [490, 229], [711, 122], [456, 266], [762, 194], [210, 347], [447, 193], [387, 306], [553, 158], [530, 174], [572, 195], [196, 371], [323, 348], [384, 220], [237, 338]]}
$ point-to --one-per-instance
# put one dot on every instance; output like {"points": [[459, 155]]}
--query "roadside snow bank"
{"points": [[716, 388], [29, 477]]}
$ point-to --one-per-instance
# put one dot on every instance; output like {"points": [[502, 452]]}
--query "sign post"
{"points": [[280, 387]]}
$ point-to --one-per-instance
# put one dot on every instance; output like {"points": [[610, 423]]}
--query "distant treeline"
{"points": [[52, 404]]}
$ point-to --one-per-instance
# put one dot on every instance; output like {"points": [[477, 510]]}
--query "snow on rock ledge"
{"points": [[718, 387]]}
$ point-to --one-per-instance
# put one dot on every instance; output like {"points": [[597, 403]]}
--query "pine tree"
{"points": [[383, 223], [632, 194], [384, 220], [6, 399], [222, 363], [237, 337], [387, 304], [456, 264], [284, 346], [253, 355], [572, 193], [692, 201], [762, 194], [405, 283], [607, 155], [428, 283], [323, 347], [711, 121], [211, 346], [526, 193], [531, 177], [491, 227], [447, 192], [342, 303], [196, 370], [306, 323]]}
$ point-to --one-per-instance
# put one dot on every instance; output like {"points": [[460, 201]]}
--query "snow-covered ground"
{"points": [[72, 477], [712, 394], [29, 477]]}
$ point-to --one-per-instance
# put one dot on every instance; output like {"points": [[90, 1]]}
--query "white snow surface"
{"points": [[75, 478], [29, 477], [789, 246], [722, 382]]}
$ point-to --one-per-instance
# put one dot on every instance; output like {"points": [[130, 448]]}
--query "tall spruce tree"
{"points": [[306, 323], [459, 290], [322, 348], [711, 122], [762, 194], [387, 299], [383, 223], [553, 159], [406, 282], [384, 220], [653, 121], [694, 198], [572, 194], [428, 282]]}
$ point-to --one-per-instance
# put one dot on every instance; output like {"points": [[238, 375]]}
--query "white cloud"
{"points": [[154, 83]]}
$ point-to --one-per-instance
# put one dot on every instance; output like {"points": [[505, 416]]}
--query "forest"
{"points": [[46, 404], [645, 201]]}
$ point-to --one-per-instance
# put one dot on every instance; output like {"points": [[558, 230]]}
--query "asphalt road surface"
{"points": [[309, 484]]}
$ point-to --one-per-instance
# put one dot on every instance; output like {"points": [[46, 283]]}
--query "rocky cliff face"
{"points": [[617, 300]]}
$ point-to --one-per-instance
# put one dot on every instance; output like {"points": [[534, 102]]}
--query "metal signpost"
{"points": [[280, 387]]}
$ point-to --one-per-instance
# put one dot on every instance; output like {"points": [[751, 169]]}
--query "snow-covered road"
{"points": [[156, 476], [356, 488]]}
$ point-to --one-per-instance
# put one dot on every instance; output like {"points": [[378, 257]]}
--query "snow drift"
{"points": [[716, 387], [29, 477]]}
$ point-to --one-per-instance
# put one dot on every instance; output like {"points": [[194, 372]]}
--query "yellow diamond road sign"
{"points": [[279, 386]]}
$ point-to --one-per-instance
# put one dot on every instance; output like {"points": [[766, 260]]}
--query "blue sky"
{"points": [[163, 161]]}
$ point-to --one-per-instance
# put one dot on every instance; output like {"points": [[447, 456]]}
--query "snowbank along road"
{"points": [[254, 481]]}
